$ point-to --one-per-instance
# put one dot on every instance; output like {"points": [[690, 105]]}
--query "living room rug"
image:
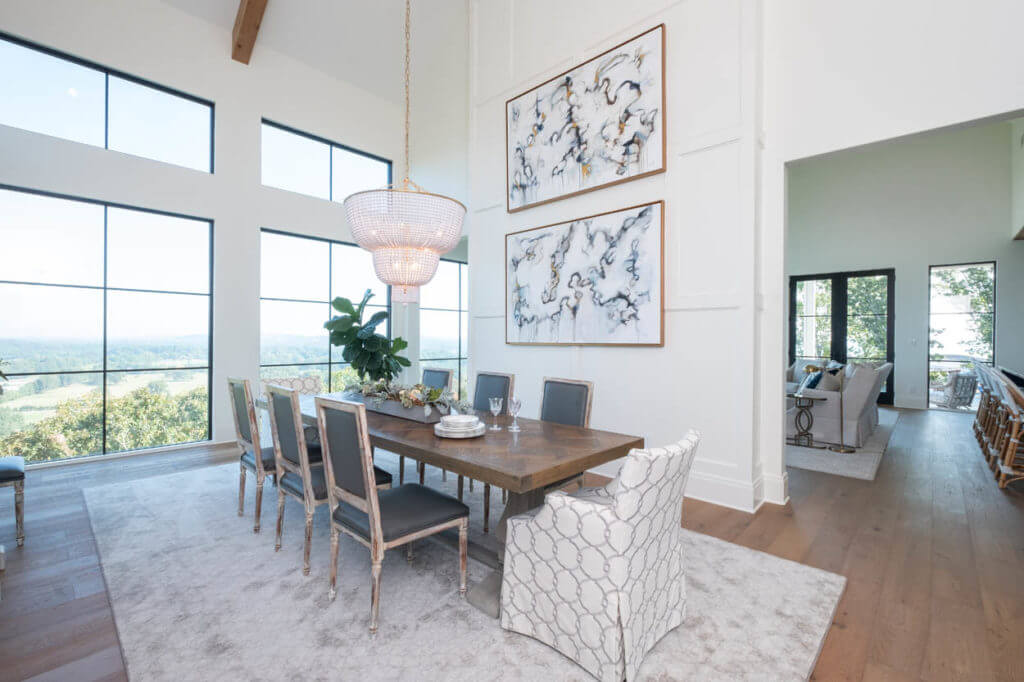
{"points": [[862, 464], [197, 595]]}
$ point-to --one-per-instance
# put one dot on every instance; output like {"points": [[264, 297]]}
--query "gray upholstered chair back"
{"points": [[491, 385], [284, 418], [566, 401], [435, 377], [343, 447], [240, 409]]}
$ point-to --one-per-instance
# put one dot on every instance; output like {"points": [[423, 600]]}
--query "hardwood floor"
{"points": [[933, 552]]}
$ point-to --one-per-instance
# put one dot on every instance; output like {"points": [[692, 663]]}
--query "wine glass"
{"points": [[495, 410], [515, 404]]}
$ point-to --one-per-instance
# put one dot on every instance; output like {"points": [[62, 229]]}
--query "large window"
{"points": [[444, 322], [48, 92], [307, 164], [846, 317], [961, 321], [104, 327], [299, 277]]}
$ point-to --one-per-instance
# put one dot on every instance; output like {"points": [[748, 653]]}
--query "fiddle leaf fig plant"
{"points": [[3, 377], [372, 355]]}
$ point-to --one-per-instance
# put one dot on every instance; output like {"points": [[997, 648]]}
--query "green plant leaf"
{"points": [[343, 305], [362, 306], [398, 344], [404, 362]]}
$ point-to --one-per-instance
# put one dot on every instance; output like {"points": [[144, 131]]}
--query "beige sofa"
{"points": [[862, 386]]}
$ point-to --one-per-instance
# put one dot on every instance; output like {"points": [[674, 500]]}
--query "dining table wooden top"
{"points": [[541, 454]]}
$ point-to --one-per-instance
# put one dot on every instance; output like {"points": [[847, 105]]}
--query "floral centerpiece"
{"points": [[377, 394]]}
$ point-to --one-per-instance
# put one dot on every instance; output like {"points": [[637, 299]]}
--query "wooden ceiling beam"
{"points": [[247, 26]]}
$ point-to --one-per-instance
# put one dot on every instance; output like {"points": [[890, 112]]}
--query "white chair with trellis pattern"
{"points": [[599, 575]]}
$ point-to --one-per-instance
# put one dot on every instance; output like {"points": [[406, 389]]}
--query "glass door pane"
{"points": [[867, 315], [961, 327], [813, 332]]}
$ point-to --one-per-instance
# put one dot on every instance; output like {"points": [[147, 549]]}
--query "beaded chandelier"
{"points": [[405, 228]]}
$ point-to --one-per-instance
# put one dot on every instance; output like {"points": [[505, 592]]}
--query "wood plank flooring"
{"points": [[933, 552]]}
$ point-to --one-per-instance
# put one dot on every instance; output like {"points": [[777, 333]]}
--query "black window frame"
{"points": [[331, 144], [462, 309], [117, 73], [330, 294], [104, 370], [838, 316], [928, 353]]}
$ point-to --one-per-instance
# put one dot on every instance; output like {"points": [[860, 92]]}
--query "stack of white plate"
{"points": [[460, 426]]}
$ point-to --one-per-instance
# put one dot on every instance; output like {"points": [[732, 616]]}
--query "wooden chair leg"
{"points": [[280, 518], [19, 512], [259, 504], [408, 552], [487, 506], [335, 536], [423, 472], [375, 595], [241, 489], [504, 496], [461, 482], [463, 553], [444, 475], [309, 542], [401, 469], [471, 485]]}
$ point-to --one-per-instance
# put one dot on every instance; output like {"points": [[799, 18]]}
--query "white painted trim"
{"points": [[776, 488], [131, 453], [725, 492]]}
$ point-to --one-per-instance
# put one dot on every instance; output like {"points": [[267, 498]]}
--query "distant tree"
{"points": [[142, 418], [978, 285]]}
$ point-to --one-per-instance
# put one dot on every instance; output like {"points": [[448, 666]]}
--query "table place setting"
{"points": [[459, 426]]}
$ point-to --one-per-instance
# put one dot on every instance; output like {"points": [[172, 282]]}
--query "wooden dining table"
{"points": [[528, 464]]}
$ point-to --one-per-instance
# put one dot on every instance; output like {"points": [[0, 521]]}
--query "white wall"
{"points": [[1017, 178], [155, 41], [703, 377], [838, 75], [932, 199]]}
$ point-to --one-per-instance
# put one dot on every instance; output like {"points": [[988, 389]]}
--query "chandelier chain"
{"points": [[408, 33]]}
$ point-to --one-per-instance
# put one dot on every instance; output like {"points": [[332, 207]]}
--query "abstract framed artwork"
{"points": [[595, 125], [594, 281]]}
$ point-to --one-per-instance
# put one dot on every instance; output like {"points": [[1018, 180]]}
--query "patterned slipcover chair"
{"points": [[598, 575]]}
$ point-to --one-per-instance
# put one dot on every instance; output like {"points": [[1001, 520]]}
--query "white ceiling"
{"points": [[358, 41]]}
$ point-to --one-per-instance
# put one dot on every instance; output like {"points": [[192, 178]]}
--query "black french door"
{"points": [[843, 316]]}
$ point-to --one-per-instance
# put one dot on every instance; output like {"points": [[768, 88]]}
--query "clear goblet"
{"points": [[515, 404], [495, 410]]}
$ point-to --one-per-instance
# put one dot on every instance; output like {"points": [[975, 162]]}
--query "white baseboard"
{"points": [[776, 488], [725, 492]]}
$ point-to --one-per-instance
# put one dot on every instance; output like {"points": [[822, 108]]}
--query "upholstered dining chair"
{"points": [[379, 519], [566, 401], [310, 384], [255, 458], [490, 385], [300, 472], [619, 550], [433, 377], [12, 473]]}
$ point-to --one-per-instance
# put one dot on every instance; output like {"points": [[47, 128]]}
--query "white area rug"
{"points": [[862, 464], [197, 595]]}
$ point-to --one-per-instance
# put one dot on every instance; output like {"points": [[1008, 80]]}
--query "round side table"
{"points": [[804, 420]]}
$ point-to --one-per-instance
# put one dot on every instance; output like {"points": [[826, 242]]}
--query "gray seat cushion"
{"points": [[266, 454], [12, 469], [403, 510], [293, 482]]}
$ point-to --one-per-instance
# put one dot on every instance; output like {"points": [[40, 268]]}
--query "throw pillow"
{"points": [[811, 381], [829, 382]]}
